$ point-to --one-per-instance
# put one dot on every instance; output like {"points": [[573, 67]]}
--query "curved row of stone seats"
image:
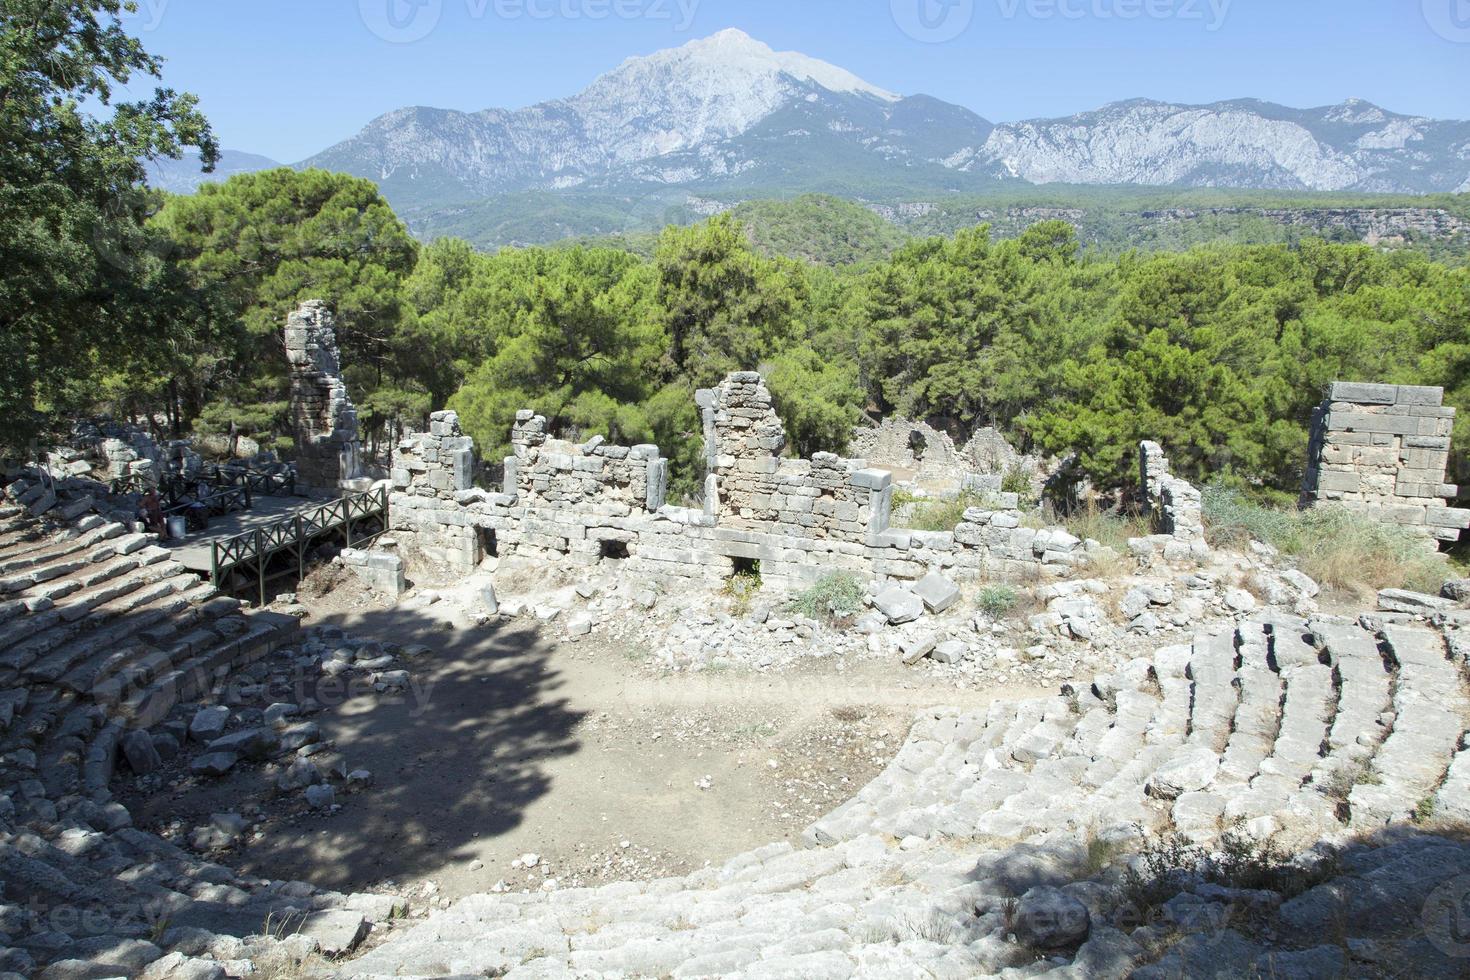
{"points": [[101, 633], [1262, 728]]}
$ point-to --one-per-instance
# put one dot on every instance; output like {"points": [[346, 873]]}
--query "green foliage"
{"points": [[84, 285], [1331, 544], [818, 228], [832, 598], [997, 600], [741, 589], [258, 244], [724, 307]]}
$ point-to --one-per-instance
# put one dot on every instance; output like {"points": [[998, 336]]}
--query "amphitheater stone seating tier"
{"points": [[101, 634], [1301, 732]]}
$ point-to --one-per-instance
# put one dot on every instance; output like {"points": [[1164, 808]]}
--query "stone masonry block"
{"points": [[1412, 395], [1366, 394], [1447, 517], [872, 479]]}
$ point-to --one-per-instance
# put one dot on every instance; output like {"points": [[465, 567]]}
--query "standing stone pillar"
{"points": [[324, 420]]}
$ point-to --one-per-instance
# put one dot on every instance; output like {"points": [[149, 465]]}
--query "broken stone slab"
{"points": [[917, 649], [899, 604], [938, 592], [1414, 603], [1188, 772], [1049, 918], [299, 775], [214, 763], [276, 714], [320, 796], [336, 931], [209, 723], [1456, 590], [950, 651], [141, 753], [253, 743]]}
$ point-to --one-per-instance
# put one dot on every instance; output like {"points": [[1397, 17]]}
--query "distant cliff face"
{"points": [[726, 118], [1245, 144]]}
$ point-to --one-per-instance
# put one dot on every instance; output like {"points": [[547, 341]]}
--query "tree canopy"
{"points": [[83, 284]]}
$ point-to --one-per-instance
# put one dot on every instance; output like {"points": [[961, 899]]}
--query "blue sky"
{"points": [[289, 77]]}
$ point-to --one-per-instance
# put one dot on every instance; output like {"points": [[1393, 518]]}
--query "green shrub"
{"points": [[997, 600], [834, 597], [1331, 544], [741, 588]]}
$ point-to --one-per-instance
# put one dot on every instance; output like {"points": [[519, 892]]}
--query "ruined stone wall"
{"points": [[826, 497], [594, 502], [1174, 505], [323, 417], [918, 447], [433, 478], [1382, 450]]}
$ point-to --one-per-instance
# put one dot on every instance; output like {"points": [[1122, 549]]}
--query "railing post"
{"points": [[300, 550], [260, 564]]}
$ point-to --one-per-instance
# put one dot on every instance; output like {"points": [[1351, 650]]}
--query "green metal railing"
{"points": [[252, 551]]}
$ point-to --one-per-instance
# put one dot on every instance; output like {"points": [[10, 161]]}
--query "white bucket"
{"points": [[177, 526]]}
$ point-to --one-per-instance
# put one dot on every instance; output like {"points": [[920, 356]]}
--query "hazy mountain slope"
{"points": [[184, 176]]}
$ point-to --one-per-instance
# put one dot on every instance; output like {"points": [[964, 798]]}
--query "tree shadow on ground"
{"points": [[456, 757]]}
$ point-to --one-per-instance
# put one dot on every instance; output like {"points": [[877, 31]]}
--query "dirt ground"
{"points": [[508, 745]]}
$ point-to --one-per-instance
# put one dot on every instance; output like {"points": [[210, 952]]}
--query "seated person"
{"points": [[152, 514]]}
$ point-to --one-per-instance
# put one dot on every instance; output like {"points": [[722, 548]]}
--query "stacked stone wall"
{"points": [[800, 519], [323, 417], [1382, 450], [826, 497]]}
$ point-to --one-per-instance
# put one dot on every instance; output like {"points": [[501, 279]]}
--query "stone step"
{"points": [[1362, 681], [1429, 708], [147, 705], [1214, 697], [114, 622]]}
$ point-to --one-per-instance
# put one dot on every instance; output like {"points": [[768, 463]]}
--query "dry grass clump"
{"points": [[1333, 545], [1112, 529]]}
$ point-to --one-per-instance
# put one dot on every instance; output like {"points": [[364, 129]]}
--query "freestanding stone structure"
{"points": [[322, 415], [1382, 450]]}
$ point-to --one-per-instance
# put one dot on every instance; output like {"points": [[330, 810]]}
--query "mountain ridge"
{"points": [[728, 115]]}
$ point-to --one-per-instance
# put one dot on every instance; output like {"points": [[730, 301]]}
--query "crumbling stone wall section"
{"points": [[433, 480], [914, 446], [1174, 505], [825, 497], [800, 519], [323, 417], [1382, 450]]}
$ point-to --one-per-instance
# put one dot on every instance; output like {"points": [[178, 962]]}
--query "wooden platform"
{"points": [[195, 550]]}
